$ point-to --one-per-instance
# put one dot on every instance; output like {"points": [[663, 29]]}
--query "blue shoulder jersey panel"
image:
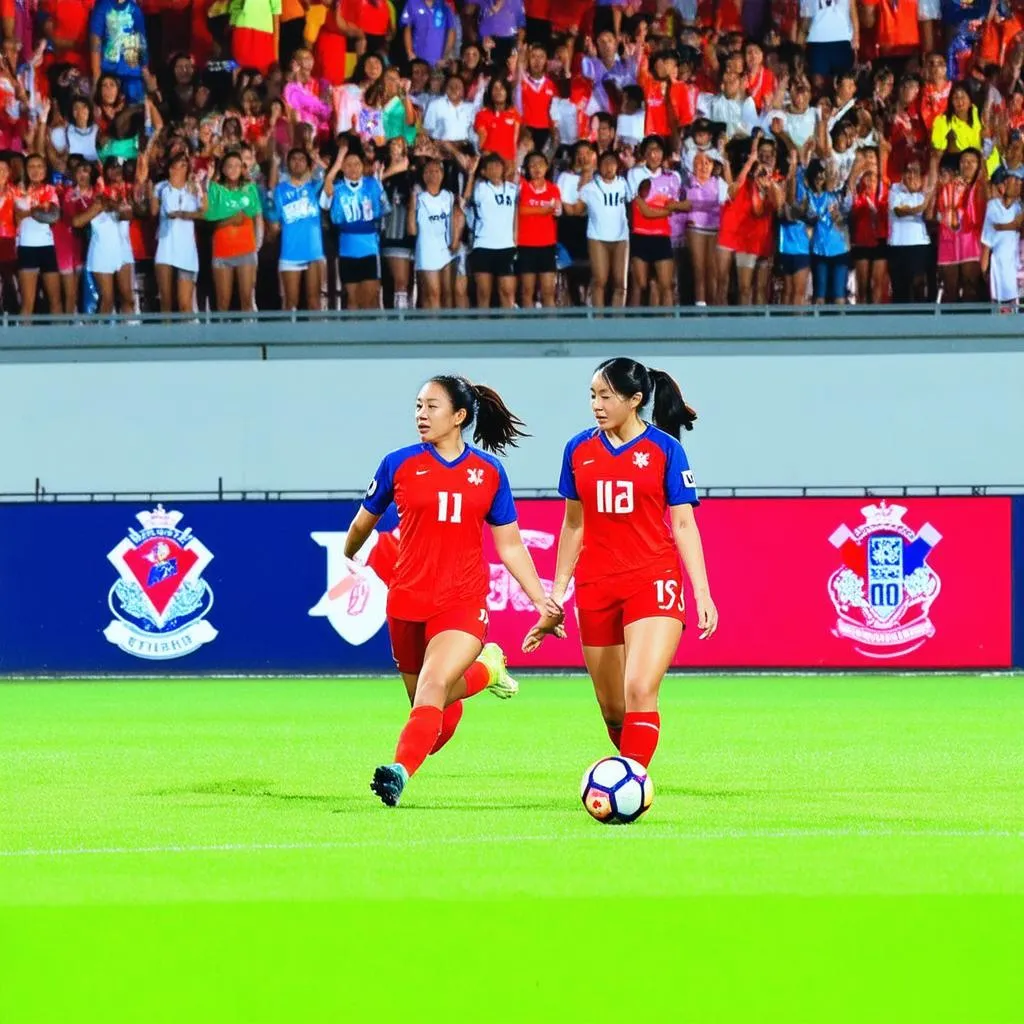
{"points": [[567, 479], [381, 491], [680, 487], [503, 508]]}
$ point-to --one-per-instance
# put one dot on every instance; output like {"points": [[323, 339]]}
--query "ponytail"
{"points": [[670, 413], [497, 427], [626, 377]]}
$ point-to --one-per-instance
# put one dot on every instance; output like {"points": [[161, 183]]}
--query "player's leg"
{"points": [[651, 644], [652, 626], [447, 657], [607, 667], [604, 655]]}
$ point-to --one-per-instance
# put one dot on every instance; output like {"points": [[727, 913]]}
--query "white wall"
{"points": [[773, 420]]}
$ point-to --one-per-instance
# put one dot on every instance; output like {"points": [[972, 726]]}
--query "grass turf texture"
{"points": [[819, 849]]}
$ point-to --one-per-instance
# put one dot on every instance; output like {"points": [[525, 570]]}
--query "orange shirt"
{"points": [[539, 229], [897, 26]]}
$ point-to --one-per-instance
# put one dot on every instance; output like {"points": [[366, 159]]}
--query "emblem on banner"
{"points": [[504, 591], [885, 587], [160, 600], [355, 599]]}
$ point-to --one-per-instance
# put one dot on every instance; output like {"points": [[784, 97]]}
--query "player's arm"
{"points": [[681, 497], [378, 496], [691, 551], [359, 532], [570, 544]]}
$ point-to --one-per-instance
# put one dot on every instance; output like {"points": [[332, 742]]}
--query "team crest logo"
{"points": [[885, 587], [641, 459], [475, 476], [160, 601]]}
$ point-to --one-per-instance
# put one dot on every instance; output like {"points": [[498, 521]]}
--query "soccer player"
{"points": [[445, 490], [619, 479]]}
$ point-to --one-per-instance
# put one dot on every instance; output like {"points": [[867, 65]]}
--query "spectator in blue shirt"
{"points": [[117, 45], [358, 204], [428, 30], [826, 210], [296, 208]]}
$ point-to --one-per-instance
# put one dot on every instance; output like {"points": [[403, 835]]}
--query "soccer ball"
{"points": [[616, 790]]}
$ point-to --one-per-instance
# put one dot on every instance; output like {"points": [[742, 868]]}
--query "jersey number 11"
{"points": [[446, 515]]}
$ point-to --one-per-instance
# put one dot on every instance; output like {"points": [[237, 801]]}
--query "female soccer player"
{"points": [[445, 490], [619, 480]]}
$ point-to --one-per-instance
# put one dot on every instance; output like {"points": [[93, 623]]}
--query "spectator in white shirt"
{"points": [[909, 245], [731, 106], [450, 118]]}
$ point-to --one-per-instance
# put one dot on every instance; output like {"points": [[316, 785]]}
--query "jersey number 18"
{"points": [[615, 496]]}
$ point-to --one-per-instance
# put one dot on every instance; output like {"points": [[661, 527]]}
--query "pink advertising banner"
{"points": [[870, 583]]}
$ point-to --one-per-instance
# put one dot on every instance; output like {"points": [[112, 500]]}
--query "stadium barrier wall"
{"points": [[769, 417], [262, 587]]}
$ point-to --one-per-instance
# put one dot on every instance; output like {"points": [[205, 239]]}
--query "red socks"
{"points": [[615, 735], [640, 730], [450, 719], [476, 677], [421, 732]]}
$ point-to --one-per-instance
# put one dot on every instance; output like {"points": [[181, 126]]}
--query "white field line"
{"points": [[640, 834]]}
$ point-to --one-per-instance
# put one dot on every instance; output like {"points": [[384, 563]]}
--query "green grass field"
{"points": [[819, 849]]}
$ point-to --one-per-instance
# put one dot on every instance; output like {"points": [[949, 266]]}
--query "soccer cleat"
{"points": [[501, 684], [388, 782]]}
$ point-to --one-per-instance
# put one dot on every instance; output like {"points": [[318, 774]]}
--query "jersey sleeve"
{"points": [[381, 491], [680, 487], [567, 478], [503, 507]]}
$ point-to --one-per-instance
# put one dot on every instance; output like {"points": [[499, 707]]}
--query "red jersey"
{"points": [[535, 96], [7, 225], [625, 493], [500, 129], [933, 102], [539, 229], [442, 508]]}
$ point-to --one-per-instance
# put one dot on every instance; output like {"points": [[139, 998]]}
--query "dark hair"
{"points": [[489, 92], [627, 377], [496, 426]]}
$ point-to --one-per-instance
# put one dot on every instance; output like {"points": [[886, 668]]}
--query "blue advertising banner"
{"points": [[190, 589]]}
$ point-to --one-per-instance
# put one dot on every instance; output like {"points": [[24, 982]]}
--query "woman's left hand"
{"points": [[707, 616]]}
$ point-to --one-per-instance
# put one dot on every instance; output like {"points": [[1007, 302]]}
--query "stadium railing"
{"points": [[561, 331]]}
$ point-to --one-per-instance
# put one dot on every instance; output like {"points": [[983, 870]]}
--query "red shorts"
{"points": [[603, 625], [252, 49], [409, 639]]}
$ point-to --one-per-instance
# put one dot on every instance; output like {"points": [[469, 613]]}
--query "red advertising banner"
{"points": [[870, 583]]}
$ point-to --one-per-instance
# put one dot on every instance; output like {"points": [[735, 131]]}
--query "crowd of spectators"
{"points": [[308, 154]]}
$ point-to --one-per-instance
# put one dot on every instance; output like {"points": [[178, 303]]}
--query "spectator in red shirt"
{"points": [[540, 202], [497, 124], [536, 91]]}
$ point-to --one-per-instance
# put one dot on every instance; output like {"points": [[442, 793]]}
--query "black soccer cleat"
{"points": [[388, 782]]}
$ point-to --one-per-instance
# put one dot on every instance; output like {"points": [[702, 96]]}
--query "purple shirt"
{"points": [[430, 28], [504, 22], [622, 73]]}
